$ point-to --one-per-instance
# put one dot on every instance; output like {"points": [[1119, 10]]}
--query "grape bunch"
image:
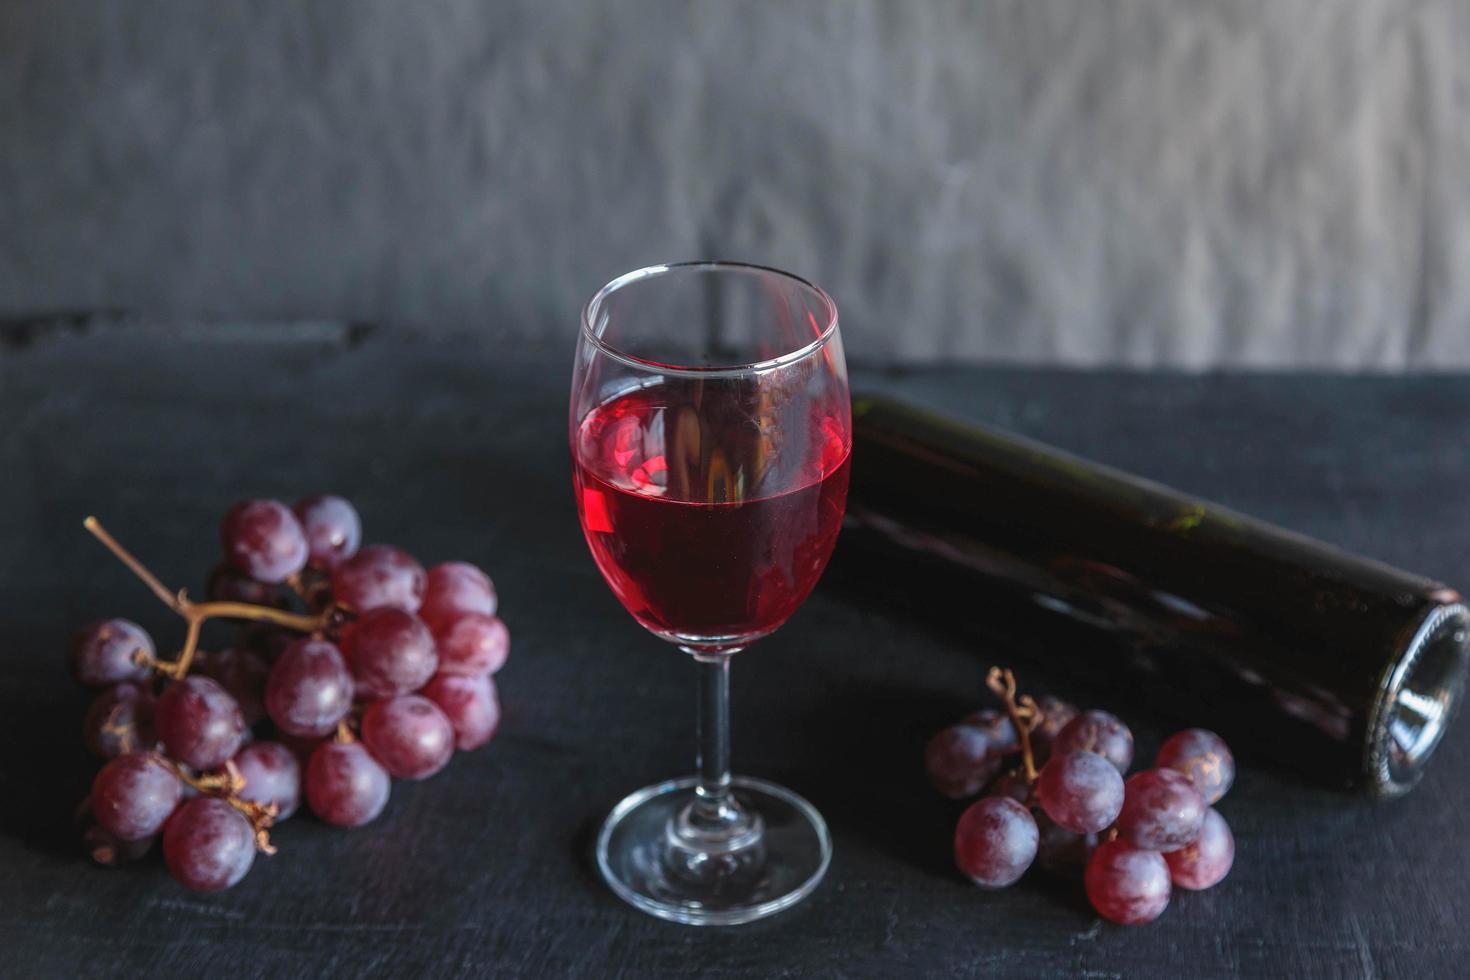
{"points": [[353, 666], [1068, 804]]}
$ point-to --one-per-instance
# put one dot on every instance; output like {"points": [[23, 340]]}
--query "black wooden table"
{"points": [[458, 450]]}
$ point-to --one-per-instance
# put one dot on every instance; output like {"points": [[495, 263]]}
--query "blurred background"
{"points": [[1187, 183]]}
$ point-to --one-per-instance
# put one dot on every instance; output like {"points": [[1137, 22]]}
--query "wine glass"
{"points": [[710, 433]]}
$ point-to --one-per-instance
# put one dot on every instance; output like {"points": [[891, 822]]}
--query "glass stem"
{"points": [[713, 802]]}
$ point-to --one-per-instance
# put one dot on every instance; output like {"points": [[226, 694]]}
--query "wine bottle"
{"points": [[1341, 667]]}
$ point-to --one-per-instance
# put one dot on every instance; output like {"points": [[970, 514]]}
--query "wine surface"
{"points": [[710, 512]]}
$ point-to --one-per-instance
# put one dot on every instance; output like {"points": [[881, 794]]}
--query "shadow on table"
{"points": [[45, 774], [873, 784]]}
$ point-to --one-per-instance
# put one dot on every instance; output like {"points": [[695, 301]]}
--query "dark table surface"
{"points": [[457, 450]]}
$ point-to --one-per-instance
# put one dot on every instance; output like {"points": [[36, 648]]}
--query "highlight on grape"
{"points": [[353, 667], [1066, 804]]}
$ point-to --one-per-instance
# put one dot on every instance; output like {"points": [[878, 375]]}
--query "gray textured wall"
{"points": [[1155, 181]]}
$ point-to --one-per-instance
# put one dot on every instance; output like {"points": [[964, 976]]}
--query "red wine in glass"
{"points": [[710, 424], [671, 489]]}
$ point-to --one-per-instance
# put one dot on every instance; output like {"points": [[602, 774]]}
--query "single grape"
{"points": [[472, 643], [1055, 714], [1204, 757], [454, 588], [208, 845], [104, 653], [1099, 732], [228, 584], [263, 540], [409, 735], [198, 722], [1207, 861], [995, 841], [390, 652], [960, 761], [345, 785], [272, 775], [1059, 848], [998, 727], [119, 720], [1162, 810], [1081, 791], [133, 795], [1014, 785], [242, 672], [379, 577], [1127, 885], [333, 530], [102, 845], [309, 690], [471, 705], [111, 851]]}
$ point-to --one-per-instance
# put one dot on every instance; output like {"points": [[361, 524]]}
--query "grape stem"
{"points": [[316, 593], [226, 786], [1024, 714], [125, 733], [196, 613]]}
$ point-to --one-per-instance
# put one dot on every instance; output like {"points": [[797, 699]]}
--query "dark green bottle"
{"points": [[1343, 668]]}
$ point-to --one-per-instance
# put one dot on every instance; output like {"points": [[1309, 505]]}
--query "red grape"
{"points": [[263, 540], [1127, 885], [309, 690], [995, 841], [1014, 785], [333, 530], [1204, 757], [377, 577], [208, 845], [960, 761], [228, 584], [102, 845], [470, 704], [1055, 714], [1208, 859], [1099, 732], [1058, 848], [454, 588], [198, 722], [472, 643], [997, 725], [1081, 791], [272, 775], [345, 785], [409, 735], [103, 653], [119, 720], [242, 672], [268, 642], [110, 850], [134, 794], [1162, 810], [390, 652], [300, 746]]}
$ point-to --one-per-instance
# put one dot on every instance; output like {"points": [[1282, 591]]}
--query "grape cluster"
{"points": [[1068, 804], [386, 672]]}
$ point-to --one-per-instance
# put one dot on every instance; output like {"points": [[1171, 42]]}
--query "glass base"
{"points": [[774, 860]]}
